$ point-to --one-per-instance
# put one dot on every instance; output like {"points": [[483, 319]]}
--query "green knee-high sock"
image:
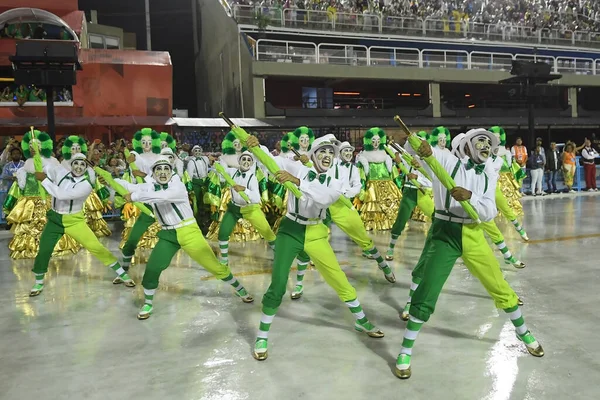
{"points": [[126, 262], [39, 281], [224, 247], [383, 265], [413, 286], [302, 266], [504, 250], [239, 288], [518, 227], [356, 309], [149, 296], [410, 335], [120, 271], [514, 313], [393, 241], [265, 323]]}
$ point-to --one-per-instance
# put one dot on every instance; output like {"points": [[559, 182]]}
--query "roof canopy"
{"points": [[23, 15]]}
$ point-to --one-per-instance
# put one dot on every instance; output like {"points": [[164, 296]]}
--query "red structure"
{"points": [[117, 92]]}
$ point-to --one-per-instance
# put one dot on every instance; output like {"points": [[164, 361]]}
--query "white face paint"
{"points": [[162, 173], [376, 142], [323, 158], [304, 142], [246, 162], [163, 145], [171, 158], [442, 140], [497, 148], [237, 145], [197, 152], [346, 154], [147, 144], [481, 148], [78, 168], [76, 148]]}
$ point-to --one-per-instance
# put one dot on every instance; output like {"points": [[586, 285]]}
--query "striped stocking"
{"points": [[410, 335], [239, 288], [302, 266], [393, 241], [224, 247], [514, 313], [504, 250], [120, 271], [383, 265], [126, 262]]}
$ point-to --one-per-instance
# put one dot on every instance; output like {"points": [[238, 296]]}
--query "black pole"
{"points": [[50, 112], [531, 113]]}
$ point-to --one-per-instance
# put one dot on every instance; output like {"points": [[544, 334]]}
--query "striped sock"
{"points": [[265, 322], [39, 279], [126, 262], [413, 286], [224, 246], [383, 265], [503, 249], [514, 313], [235, 284], [393, 241], [356, 309], [518, 227], [302, 266], [119, 270], [410, 335], [149, 296]]}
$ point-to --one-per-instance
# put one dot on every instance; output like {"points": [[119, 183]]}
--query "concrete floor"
{"points": [[80, 339]]}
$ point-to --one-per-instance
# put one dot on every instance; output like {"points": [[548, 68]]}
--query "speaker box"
{"points": [[531, 69]]}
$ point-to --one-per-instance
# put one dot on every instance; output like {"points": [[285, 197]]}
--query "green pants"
{"points": [[76, 226], [294, 238], [411, 198], [137, 231], [252, 213], [190, 239], [503, 205], [349, 221], [446, 242]]}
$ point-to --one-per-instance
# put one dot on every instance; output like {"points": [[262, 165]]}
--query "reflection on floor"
{"points": [[81, 339]]}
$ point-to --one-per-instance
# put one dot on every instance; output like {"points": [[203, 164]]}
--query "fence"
{"points": [[369, 22], [357, 55]]}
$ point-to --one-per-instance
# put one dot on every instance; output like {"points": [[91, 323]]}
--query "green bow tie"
{"points": [[312, 175], [243, 174], [345, 164], [478, 167], [158, 187]]}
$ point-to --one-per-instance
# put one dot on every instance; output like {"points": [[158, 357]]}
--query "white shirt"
{"points": [[145, 161], [482, 187], [588, 153], [317, 196], [69, 193], [197, 168], [349, 174], [424, 182], [170, 203], [29, 167], [249, 181]]}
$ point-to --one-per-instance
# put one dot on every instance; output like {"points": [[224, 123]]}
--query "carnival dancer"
{"points": [[508, 189], [453, 234], [247, 183], [379, 202], [348, 220], [94, 205], [140, 230], [197, 168], [411, 198], [302, 230], [69, 190], [168, 196], [28, 216]]}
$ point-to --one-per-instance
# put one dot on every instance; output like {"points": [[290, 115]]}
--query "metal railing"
{"points": [[357, 55], [409, 26]]}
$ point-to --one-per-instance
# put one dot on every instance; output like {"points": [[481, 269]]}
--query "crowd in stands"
{"points": [[22, 94], [544, 15], [34, 31]]}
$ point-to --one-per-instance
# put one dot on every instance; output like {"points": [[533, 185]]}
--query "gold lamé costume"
{"points": [[92, 210]]}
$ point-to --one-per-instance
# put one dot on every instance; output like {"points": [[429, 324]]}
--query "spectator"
{"points": [[595, 142], [9, 172], [553, 165], [6, 95], [115, 166], [568, 166], [538, 161], [22, 95], [519, 153], [39, 32], [589, 155]]}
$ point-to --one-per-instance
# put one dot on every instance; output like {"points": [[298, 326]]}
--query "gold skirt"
{"points": [[510, 189], [27, 220], [243, 231], [93, 213], [380, 205], [148, 239]]}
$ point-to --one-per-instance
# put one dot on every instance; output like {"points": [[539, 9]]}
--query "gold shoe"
{"points": [[117, 280], [374, 333], [129, 283], [520, 302], [248, 299], [390, 278], [34, 293], [403, 373], [142, 317], [389, 258], [537, 352], [260, 356], [296, 295], [404, 316]]}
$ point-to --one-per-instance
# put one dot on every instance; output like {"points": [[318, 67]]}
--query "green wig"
{"points": [[227, 144], [368, 139], [171, 143], [500, 132], [137, 140], [422, 135], [45, 147], [295, 137], [285, 142], [433, 138], [69, 142]]}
